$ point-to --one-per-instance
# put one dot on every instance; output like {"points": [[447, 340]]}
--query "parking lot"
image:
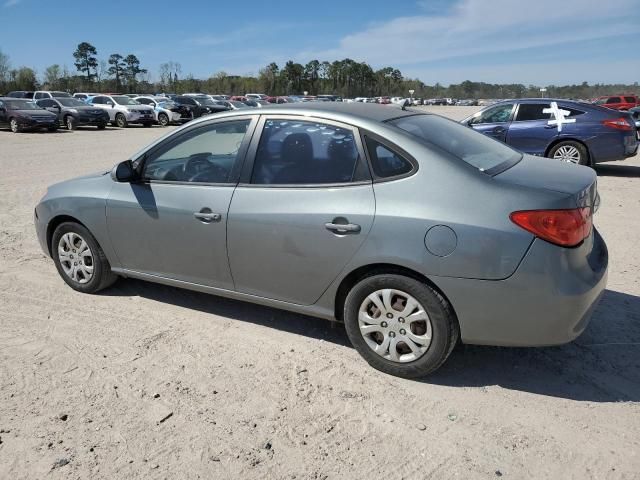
{"points": [[148, 381]]}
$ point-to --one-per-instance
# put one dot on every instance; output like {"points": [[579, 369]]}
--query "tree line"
{"points": [[347, 78]]}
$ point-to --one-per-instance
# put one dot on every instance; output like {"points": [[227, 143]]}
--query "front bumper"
{"points": [[92, 120], [547, 301], [135, 117], [28, 123]]}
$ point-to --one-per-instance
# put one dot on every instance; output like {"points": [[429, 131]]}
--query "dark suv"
{"points": [[618, 102], [22, 114], [73, 113], [199, 106]]}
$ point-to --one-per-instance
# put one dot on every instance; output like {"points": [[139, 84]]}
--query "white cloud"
{"points": [[11, 3], [474, 27]]}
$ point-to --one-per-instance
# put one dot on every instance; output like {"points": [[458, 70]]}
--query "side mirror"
{"points": [[123, 172]]}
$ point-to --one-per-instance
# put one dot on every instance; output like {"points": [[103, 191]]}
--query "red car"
{"points": [[238, 98], [618, 102]]}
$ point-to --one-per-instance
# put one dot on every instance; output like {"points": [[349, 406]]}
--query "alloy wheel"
{"points": [[75, 257], [15, 128], [567, 153], [395, 325]]}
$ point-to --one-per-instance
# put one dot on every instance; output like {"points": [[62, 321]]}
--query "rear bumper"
{"points": [[547, 301]]}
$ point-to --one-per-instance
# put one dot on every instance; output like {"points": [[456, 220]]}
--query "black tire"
{"points": [[102, 275], [121, 121], [70, 122], [570, 144], [14, 125], [163, 119], [444, 325], [102, 126]]}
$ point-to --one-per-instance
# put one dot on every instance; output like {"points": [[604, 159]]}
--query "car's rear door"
{"points": [[530, 131], [172, 223], [494, 121], [303, 208]]}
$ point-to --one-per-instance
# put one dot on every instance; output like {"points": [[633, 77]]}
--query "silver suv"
{"points": [[124, 110]]}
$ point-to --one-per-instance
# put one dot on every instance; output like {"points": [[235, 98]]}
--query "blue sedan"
{"points": [[587, 134]]}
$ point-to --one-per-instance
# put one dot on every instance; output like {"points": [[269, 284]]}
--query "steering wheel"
{"points": [[213, 174], [196, 164]]}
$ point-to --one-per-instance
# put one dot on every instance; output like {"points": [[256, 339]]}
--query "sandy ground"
{"points": [[151, 382]]}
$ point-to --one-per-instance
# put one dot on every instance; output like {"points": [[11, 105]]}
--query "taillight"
{"points": [[566, 228], [620, 123]]}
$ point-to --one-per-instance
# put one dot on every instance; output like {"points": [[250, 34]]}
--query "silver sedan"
{"points": [[413, 230]]}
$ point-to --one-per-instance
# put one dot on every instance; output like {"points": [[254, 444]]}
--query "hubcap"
{"points": [[75, 257], [395, 325], [69, 123], [14, 125], [567, 153]]}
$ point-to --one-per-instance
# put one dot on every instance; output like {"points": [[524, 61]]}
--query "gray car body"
{"points": [[270, 247]]}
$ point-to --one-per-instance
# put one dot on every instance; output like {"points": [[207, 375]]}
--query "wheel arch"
{"points": [[54, 223], [569, 139], [351, 279]]}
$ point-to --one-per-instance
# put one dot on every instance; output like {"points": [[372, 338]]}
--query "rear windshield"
{"points": [[487, 155]]}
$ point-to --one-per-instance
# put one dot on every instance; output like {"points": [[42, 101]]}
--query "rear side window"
{"points": [[386, 162], [532, 111], [613, 100], [630, 99], [485, 154], [294, 152]]}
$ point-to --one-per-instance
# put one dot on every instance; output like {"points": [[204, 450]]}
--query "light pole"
{"points": [[542, 90], [411, 95]]}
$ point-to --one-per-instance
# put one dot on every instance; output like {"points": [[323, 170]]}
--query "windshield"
{"points": [[238, 104], [71, 102], [601, 101], [122, 100], [166, 104], [487, 155], [21, 105], [60, 94]]}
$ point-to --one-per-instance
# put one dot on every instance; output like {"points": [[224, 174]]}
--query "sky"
{"points": [[540, 42]]}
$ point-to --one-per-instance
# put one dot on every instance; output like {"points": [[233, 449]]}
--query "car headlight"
{"points": [[72, 110]]}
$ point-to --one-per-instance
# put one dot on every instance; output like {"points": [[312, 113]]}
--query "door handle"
{"points": [[207, 217], [498, 130], [343, 228]]}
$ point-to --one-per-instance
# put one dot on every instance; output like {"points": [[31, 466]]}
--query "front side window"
{"points": [[532, 111], [613, 100], [205, 155], [484, 153], [305, 152], [497, 114], [98, 100]]}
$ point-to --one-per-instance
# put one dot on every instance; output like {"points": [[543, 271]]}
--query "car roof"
{"points": [[338, 110]]}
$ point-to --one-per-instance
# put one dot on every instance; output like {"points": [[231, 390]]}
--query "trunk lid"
{"points": [[547, 174]]}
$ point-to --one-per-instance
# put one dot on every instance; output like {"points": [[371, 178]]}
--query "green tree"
{"points": [[86, 59], [132, 69], [117, 68]]}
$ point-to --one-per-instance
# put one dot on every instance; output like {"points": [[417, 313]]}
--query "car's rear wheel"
{"points": [[79, 259], [163, 119], [400, 325], [15, 126], [121, 121], [70, 122], [571, 152]]}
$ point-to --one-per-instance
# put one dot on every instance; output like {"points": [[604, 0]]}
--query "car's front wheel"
{"points": [[70, 122], [14, 125], [400, 325], [121, 120], [571, 152], [79, 259], [163, 119]]}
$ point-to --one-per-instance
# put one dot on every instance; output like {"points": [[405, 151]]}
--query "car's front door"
{"points": [[530, 131], [304, 206], [172, 223], [494, 121]]}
